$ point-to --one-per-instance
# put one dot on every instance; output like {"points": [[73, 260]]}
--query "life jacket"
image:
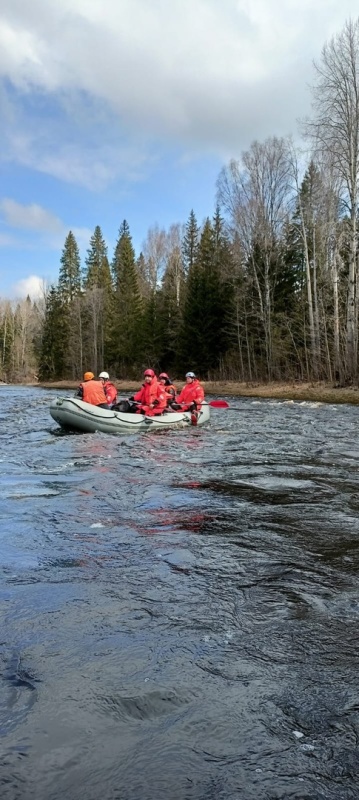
{"points": [[148, 393], [110, 392], [170, 391], [191, 393], [93, 393]]}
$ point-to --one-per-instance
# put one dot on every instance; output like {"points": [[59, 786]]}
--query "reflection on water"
{"points": [[179, 610]]}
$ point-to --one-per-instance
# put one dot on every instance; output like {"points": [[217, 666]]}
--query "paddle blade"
{"points": [[218, 404]]}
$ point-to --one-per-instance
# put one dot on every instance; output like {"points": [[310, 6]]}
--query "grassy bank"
{"points": [[315, 392]]}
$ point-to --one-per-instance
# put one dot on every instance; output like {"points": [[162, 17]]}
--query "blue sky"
{"points": [[127, 109]]}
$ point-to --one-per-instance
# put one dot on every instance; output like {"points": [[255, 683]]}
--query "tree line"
{"points": [[267, 289]]}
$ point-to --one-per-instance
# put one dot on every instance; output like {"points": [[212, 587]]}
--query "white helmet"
{"points": [[104, 375]]}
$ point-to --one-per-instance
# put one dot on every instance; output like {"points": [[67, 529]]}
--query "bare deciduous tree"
{"points": [[335, 131], [155, 251], [255, 195]]}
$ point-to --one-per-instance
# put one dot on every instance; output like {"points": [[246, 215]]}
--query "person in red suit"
{"points": [[191, 396], [109, 388], [151, 398], [168, 386]]}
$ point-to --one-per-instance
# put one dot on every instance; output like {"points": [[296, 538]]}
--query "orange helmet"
{"points": [[88, 376], [149, 372], [164, 375]]}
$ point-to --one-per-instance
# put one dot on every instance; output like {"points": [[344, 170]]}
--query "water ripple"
{"points": [[179, 610]]}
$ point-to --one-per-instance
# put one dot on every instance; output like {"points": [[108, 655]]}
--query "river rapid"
{"points": [[179, 610]]}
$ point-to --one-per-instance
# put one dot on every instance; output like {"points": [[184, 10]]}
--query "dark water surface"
{"points": [[179, 610]]}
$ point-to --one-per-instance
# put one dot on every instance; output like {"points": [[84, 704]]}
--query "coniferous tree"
{"points": [[223, 274], [6, 341], [153, 330], [97, 269], [70, 270], [97, 302], [69, 288], [124, 255], [53, 348], [141, 270], [190, 242], [170, 301], [127, 307], [204, 329]]}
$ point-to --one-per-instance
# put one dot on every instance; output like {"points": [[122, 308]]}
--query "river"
{"points": [[179, 610]]}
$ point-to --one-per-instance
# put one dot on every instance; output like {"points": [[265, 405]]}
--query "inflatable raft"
{"points": [[73, 414]]}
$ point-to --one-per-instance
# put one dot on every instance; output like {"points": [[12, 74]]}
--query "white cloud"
{"points": [[210, 75], [32, 217], [33, 286], [75, 151], [37, 219]]}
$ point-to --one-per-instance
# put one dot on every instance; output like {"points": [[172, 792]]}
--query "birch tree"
{"points": [[155, 252], [334, 129], [255, 193]]}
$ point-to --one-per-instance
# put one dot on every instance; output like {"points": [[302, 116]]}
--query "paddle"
{"points": [[213, 404], [222, 404], [217, 403]]}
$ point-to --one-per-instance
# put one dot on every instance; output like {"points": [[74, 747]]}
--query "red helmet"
{"points": [[149, 372], [164, 375]]}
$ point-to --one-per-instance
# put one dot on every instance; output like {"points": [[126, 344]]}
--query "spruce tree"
{"points": [[127, 308], [144, 284], [70, 270], [152, 330], [6, 342], [54, 340], [97, 270], [170, 309], [190, 242], [124, 255], [97, 303], [204, 337], [290, 282]]}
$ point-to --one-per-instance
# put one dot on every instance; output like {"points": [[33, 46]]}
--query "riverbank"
{"points": [[299, 392]]}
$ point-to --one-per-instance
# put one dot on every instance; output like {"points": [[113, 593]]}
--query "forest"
{"points": [[267, 289]]}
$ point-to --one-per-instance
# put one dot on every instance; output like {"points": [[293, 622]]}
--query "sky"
{"points": [[128, 109]]}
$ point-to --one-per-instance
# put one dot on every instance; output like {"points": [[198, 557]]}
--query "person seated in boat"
{"points": [[168, 386], [92, 391], [109, 389], [151, 399], [191, 396]]}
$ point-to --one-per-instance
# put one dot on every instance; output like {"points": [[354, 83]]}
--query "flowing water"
{"points": [[179, 610]]}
